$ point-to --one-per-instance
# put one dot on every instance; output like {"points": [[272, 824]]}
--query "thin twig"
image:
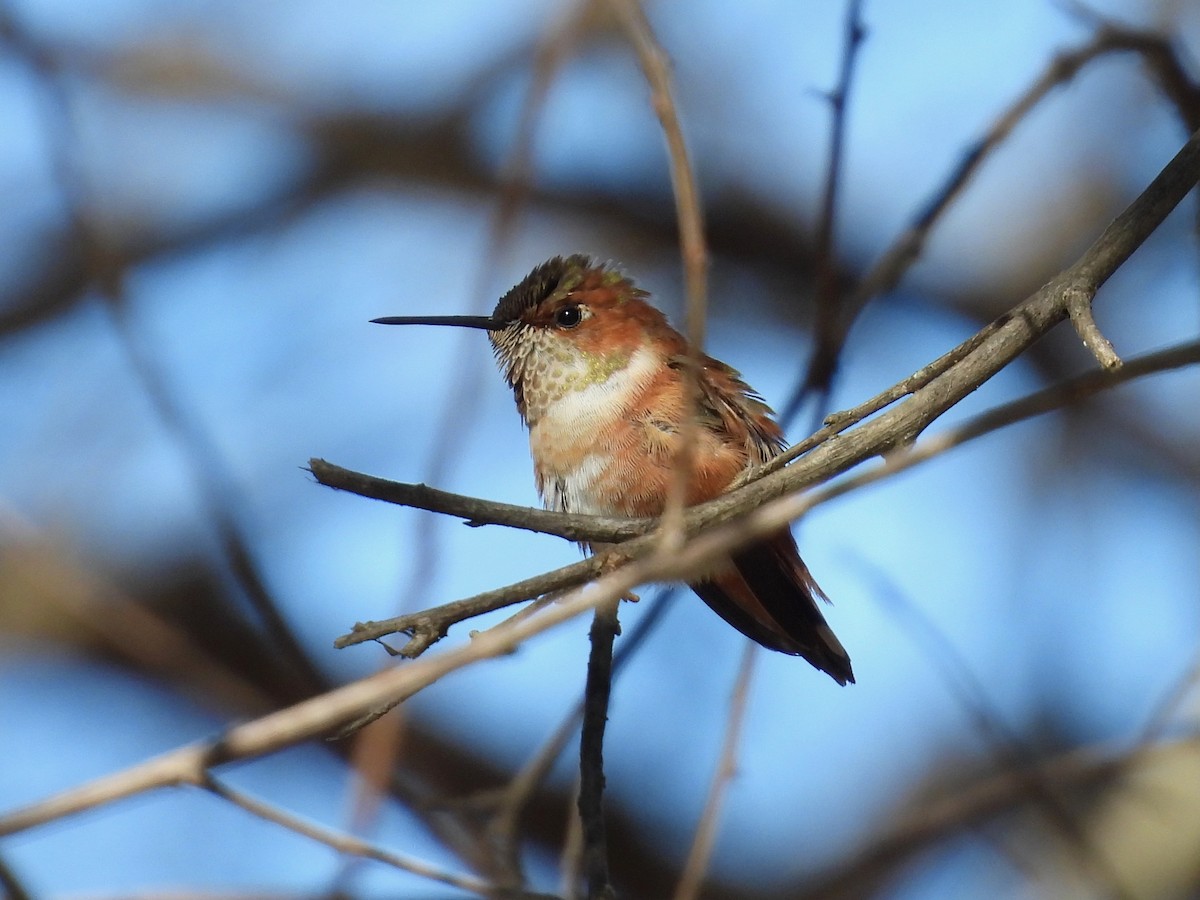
{"points": [[1009, 752], [836, 423], [706, 831], [342, 842], [475, 511], [692, 246], [900, 255], [515, 797], [105, 266], [605, 628], [430, 625], [1079, 308], [826, 333]]}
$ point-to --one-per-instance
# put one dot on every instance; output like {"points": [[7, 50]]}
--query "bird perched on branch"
{"points": [[600, 380]]}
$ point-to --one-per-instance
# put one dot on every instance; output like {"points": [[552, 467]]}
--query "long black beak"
{"points": [[485, 322]]}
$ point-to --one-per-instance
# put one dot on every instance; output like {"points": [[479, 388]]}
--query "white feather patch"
{"points": [[581, 417]]}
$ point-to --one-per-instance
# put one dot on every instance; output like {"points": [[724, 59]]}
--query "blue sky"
{"points": [[1061, 569]]}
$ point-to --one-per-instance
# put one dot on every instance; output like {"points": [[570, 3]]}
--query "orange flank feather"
{"points": [[598, 376]]}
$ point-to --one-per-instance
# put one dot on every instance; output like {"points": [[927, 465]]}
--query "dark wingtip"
{"points": [[840, 672], [831, 657]]}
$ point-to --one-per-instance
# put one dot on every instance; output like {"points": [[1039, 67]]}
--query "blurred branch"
{"points": [[656, 69], [357, 149], [93, 257], [1154, 49], [698, 857], [933, 819], [11, 885], [347, 843], [688, 212], [826, 332], [476, 511], [105, 266], [515, 181], [319, 715], [350, 151], [1008, 750], [1158, 54], [185, 638]]}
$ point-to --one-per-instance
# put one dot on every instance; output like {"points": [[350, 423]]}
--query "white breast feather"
{"points": [[584, 414]]}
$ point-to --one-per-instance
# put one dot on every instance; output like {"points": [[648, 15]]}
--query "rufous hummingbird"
{"points": [[599, 379]]}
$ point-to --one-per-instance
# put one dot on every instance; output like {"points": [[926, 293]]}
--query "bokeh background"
{"points": [[205, 202]]}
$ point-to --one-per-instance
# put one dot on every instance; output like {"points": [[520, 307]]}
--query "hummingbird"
{"points": [[598, 375]]}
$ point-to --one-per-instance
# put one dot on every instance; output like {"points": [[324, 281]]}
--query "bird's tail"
{"points": [[769, 595]]}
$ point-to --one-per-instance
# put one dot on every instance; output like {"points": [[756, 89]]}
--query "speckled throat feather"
{"points": [[522, 349]]}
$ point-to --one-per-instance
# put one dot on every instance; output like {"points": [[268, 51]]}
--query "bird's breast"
{"points": [[582, 438]]}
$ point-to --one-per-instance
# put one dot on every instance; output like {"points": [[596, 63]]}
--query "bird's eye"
{"points": [[568, 317]]}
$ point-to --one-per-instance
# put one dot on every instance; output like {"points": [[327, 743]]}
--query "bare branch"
{"points": [[344, 843], [706, 832], [683, 182], [605, 628], [827, 335], [475, 511], [429, 626], [1156, 52], [432, 624], [657, 71]]}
